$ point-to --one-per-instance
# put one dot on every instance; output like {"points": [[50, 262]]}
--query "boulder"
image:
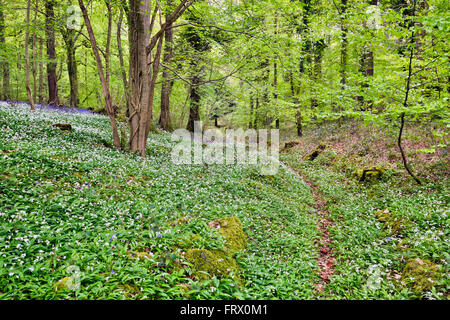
{"points": [[63, 126], [371, 174], [313, 155]]}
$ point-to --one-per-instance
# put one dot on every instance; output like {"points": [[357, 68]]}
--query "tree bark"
{"points": [[34, 65], [41, 74], [164, 119], [51, 53], [143, 69], [344, 44], [275, 75], [70, 36], [5, 65], [194, 111], [123, 72], [27, 57], [139, 72]]}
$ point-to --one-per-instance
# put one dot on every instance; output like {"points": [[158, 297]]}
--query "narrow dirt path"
{"points": [[326, 260]]}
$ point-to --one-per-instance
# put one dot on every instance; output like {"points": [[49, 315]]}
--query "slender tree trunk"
{"points": [[51, 53], [299, 122], [105, 84], [316, 72], [164, 119], [194, 111], [275, 76], [27, 57], [255, 119], [366, 68], [108, 41], [34, 68], [265, 67], [344, 44], [72, 69], [121, 61], [405, 103], [250, 123], [41, 74], [5, 65]]}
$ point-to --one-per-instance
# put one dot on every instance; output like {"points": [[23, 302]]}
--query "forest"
{"points": [[355, 96]]}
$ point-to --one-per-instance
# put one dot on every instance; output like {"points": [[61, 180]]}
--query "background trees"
{"points": [[282, 63]]}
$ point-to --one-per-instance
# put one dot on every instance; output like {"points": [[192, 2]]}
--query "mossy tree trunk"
{"points": [[52, 78]]}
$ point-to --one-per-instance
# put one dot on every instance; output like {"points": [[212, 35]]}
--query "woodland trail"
{"points": [[326, 260]]}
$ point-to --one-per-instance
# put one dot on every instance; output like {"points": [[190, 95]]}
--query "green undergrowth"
{"points": [[390, 237], [72, 208]]}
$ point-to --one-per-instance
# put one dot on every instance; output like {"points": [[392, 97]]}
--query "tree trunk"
{"points": [[319, 46], [5, 65], [108, 41], [250, 123], [405, 103], [51, 53], [344, 44], [299, 123], [41, 74], [265, 67], [121, 61], [27, 57], [139, 73], [166, 88], [69, 37], [194, 111], [34, 66], [366, 68], [105, 84], [275, 76]]}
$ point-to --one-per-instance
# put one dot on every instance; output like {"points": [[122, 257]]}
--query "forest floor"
{"points": [[84, 221]]}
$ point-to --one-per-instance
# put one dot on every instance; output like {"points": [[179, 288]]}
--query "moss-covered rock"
{"points": [[231, 229], [313, 155], [420, 275], [212, 262], [391, 221], [371, 174], [63, 126], [67, 283], [289, 145], [219, 263]]}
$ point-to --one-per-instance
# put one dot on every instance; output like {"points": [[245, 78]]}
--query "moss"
{"points": [[397, 225], [141, 256], [289, 145], [313, 155], [63, 126], [219, 263], [212, 262], [392, 222], [231, 230], [383, 215], [128, 290], [420, 275], [371, 174], [67, 283], [327, 157]]}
